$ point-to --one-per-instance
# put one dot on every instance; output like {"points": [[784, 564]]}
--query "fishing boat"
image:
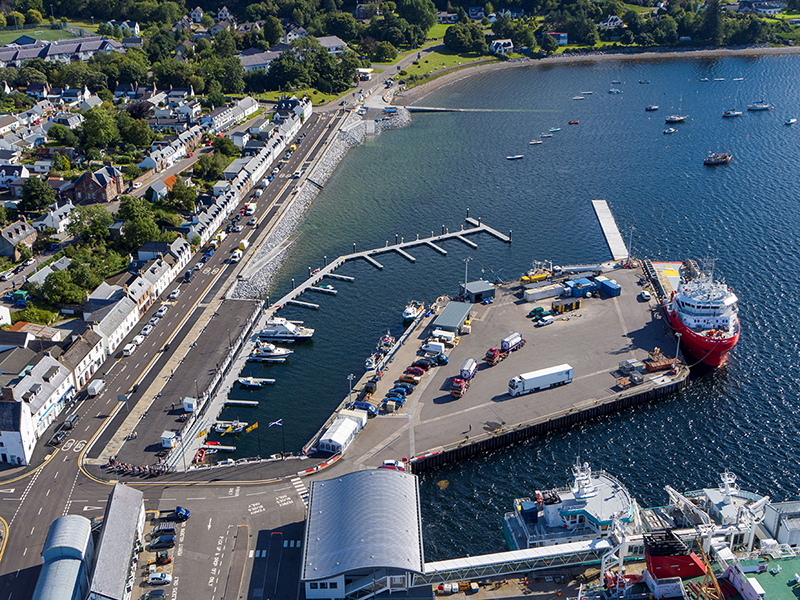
{"points": [[278, 328], [386, 342], [760, 105], [731, 113], [651, 108], [515, 157], [702, 310], [413, 309], [535, 142], [372, 362], [791, 121], [546, 135], [267, 352], [670, 130], [229, 426], [574, 122], [554, 129], [614, 91], [717, 158], [249, 382]]}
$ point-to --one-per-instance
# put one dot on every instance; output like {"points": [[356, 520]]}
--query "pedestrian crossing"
{"points": [[286, 544], [302, 490]]}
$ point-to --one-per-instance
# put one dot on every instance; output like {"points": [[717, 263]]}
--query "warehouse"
{"points": [[344, 553], [478, 291], [453, 317]]}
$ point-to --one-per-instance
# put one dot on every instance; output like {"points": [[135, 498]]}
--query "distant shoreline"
{"points": [[419, 92]]}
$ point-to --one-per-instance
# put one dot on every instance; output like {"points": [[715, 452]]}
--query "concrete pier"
{"points": [[610, 231], [230, 402]]}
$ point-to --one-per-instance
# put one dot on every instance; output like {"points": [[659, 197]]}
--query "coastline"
{"points": [[417, 93]]}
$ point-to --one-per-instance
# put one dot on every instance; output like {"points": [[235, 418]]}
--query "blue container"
{"points": [[610, 288]]}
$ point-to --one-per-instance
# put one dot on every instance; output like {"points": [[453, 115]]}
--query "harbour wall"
{"points": [[352, 132], [508, 436]]}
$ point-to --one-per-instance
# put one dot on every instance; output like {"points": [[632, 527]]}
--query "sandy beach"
{"points": [[416, 94]]}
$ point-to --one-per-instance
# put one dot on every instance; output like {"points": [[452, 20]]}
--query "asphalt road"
{"points": [[30, 502]]}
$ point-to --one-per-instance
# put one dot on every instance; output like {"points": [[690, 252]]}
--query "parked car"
{"points": [[422, 363], [174, 294], [53, 247], [58, 438], [162, 311], [395, 396], [165, 541], [408, 378], [137, 185], [394, 465], [148, 329], [238, 228], [253, 221], [154, 321], [7, 275], [19, 269], [406, 386], [415, 371], [159, 579], [138, 340], [399, 390], [644, 296], [198, 266], [29, 262], [155, 595], [204, 260]]}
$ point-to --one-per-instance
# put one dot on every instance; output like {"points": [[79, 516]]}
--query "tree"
{"points": [[23, 251], [60, 162], [181, 196], [33, 16], [139, 133], [233, 79], [634, 21], [83, 276], [224, 44], [139, 231], [3, 22], [418, 12], [549, 43], [99, 128], [16, 18], [225, 146], [341, 24], [60, 289], [131, 208], [36, 195], [712, 23], [90, 223], [207, 21], [627, 37], [384, 52], [216, 98], [272, 30]]}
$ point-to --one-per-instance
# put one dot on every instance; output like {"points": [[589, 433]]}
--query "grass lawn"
{"points": [[786, 16], [45, 33], [638, 9], [317, 97], [440, 60], [437, 31]]}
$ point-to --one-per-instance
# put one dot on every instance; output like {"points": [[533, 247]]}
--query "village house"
{"points": [[56, 218], [18, 232], [103, 185]]}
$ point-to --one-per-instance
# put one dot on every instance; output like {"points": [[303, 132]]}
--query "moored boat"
{"points": [[266, 352], [547, 135], [717, 158], [760, 105], [731, 113], [574, 122], [554, 129], [413, 309], [670, 130], [229, 426], [676, 118], [535, 142], [249, 382], [651, 108], [791, 121], [278, 328], [614, 91], [515, 157], [578, 98]]}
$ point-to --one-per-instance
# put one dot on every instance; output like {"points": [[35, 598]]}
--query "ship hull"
{"points": [[709, 350]]}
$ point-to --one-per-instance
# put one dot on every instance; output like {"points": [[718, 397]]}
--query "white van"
{"points": [[434, 347], [129, 349], [548, 320]]}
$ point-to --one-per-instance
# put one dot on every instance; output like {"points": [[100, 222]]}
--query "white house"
{"points": [[30, 404], [333, 44], [294, 32], [223, 14], [501, 46], [157, 273], [240, 138], [9, 173], [114, 322], [83, 357], [257, 61], [8, 123], [196, 14], [5, 316], [219, 118], [177, 254], [57, 218], [611, 22]]}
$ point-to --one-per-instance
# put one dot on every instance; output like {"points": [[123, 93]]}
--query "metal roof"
{"points": [[115, 547], [69, 536], [453, 315], [364, 520], [59, 579], [478, 287]]}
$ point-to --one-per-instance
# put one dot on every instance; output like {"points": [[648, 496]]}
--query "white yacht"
{"points": [[281, 329], [266, 352]]}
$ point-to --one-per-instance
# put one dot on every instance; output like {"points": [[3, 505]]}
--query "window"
{"points": [[314, 586], [333, 585], [323, 586]]}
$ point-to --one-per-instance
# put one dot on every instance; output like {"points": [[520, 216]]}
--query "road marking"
{"points": [[40, 511], [256, 493], [209, 523], [68, 445], [24, 553], [7, 491], [302, 490], [85, 508], [256, 508], [32, 530], [251, 553], [56, 475], [203, 498], [79, 446]]}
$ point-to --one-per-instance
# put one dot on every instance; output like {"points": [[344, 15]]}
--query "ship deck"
{"points": [[669, 275]]}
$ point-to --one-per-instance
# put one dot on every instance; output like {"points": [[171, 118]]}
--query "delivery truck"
{"points": [[96, 387], [510, 343], [244, 245], [540, 380]]}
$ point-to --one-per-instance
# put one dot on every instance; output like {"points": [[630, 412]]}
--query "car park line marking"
{"points": [[203, 498], [252, 552], [7, 491], [85, 508]]}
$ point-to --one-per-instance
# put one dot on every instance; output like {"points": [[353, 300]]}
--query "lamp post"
{"points": [[677, 349], [350, 379], [466, 271], [630, 243], [92, 22]]}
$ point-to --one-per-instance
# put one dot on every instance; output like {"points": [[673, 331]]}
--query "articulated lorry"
{"points": [[510, 343], [540, 380], [460, 384]]}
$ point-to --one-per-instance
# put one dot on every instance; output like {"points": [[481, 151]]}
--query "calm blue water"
{"points": [[414, 180]]}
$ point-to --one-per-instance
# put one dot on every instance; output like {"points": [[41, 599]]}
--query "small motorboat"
{"points": [[211, 451], [574, 122], [614, 91], [616, 82], [413, 310], [719, 79], [249, 382], [738, 78], [760, 105], [547, 135], [644, 81], [731, 113], [199, 456], [717, 158], [535, 142], [671, 130], [267, 352], [515, 157], [791, 121], [651, 108], [230, 426], [371, 362], [704, 79], [554, 129], [587, 93], [578, 98]]}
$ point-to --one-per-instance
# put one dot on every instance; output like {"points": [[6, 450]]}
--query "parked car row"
{"points": [[162, 538]]}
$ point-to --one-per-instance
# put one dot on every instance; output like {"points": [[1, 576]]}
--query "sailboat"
{"points": [[678, 117]]}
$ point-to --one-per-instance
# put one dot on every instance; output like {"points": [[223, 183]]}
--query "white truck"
{"points": [[244, 245], [96, 387], [540, 380], [236, 256]]}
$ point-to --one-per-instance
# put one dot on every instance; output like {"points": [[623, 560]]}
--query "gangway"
{"points": [[516, 561]]}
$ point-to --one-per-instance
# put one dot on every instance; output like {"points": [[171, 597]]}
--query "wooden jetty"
{"points": [[401, 248], [230, 402]]}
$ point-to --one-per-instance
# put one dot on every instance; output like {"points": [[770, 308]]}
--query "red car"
{"points": [[394, 465], [414, 371], [190, 155]]}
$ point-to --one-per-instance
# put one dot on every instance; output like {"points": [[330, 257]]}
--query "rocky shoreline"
{"points": [[271, 252]]}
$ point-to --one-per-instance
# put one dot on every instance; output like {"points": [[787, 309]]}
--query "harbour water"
{"points": [[411, 181]]}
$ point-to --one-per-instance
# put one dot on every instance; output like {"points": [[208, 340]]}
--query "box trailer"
{"points": [[540, 380]]}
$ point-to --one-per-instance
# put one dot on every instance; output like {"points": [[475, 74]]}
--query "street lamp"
{"points": [[350, 379], [92, 22], [630, 243], [677, 349], [466, 271]]}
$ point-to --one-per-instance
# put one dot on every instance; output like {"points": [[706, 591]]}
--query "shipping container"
{"points": [[610, 289], [542, 293], [563, 305], [468, 369]]}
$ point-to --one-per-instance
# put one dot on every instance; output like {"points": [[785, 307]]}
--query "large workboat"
{"points": [[705, 314], [279, 329]]}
